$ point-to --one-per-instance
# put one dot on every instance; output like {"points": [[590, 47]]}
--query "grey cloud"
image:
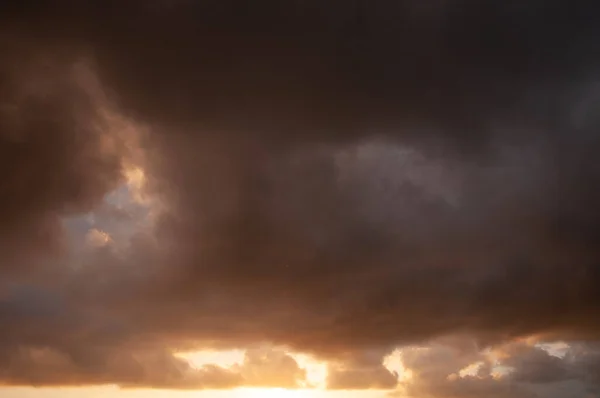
{"points": [[535, 365], [135, 366], [333, 177], [436, 372], [49, 367], [361, 379], [55, 160], [361, 370]]}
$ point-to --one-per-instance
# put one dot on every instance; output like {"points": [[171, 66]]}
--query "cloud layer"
{"points": [[337, 178], [516, 369]]}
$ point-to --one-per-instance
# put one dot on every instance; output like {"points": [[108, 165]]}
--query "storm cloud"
{"points": [[336, 178]]}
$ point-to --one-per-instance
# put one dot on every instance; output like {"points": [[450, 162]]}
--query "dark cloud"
{"points": [[333, 177], [304, 70], [142, 369], [137, 367], [57, 159], [364, 370], [534, 365], [519, 370]]}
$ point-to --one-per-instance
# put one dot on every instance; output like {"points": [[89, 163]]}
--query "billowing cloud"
{"points": [[50, 367], [139, 367], [337, 178], [364, 370], [270, 368], [57, 158], [516, 369]]}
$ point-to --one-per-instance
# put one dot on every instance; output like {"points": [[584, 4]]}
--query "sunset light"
{"points": [[300, 199], [273, 393]]}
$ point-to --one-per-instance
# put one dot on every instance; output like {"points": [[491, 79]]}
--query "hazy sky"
{"points": [[344, 198], [241, 393]]}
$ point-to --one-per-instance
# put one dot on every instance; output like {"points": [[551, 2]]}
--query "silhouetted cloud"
{"points": [[363, 370], [516, 369]]}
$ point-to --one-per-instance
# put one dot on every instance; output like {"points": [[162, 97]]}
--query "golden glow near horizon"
{"points": [[272, 393], [225, 359], [111, 391], [316, 371], [394, 363]]}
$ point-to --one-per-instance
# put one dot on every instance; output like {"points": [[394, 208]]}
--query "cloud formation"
{"points": [[363, 370], [337, 178], [57, 158], [517, 369], [136, 367]]}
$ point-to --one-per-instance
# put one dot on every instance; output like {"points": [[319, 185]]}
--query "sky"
{"points": [[304, 199]]}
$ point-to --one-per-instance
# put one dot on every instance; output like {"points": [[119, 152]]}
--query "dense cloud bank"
{"points": [[333, 177]]}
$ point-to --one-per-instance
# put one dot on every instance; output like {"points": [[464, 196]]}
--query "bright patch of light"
{"points": [[272, 393], [393, 362], [97, 238], [470, 370], [499, 372], [558, 349], [316, 372], [136, 179], [224, 359]]}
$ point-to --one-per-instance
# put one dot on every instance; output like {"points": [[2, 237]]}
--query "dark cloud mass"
{"points": [[364, 370], [55, 157], [335, 177], [518, 369], [139, 368]]}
